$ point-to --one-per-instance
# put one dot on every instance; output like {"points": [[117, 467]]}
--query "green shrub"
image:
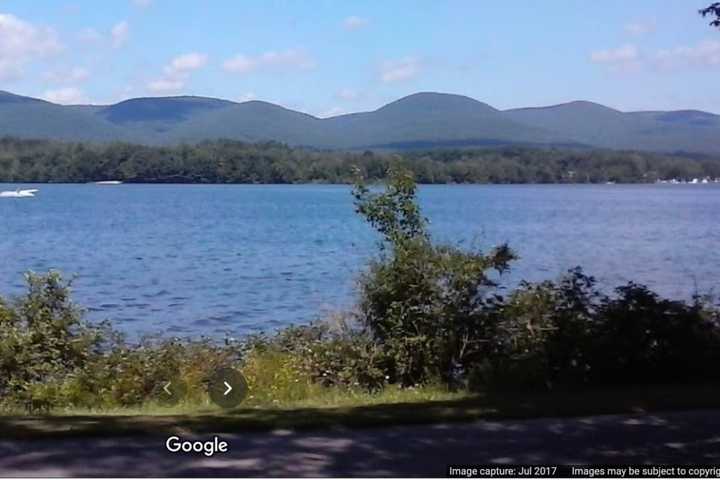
{"points": [[43, 339], [128, 375], [548, 327], [340, 357], [567, 334], [50, 357], [276, 377], [642, 338], [432, 309]]}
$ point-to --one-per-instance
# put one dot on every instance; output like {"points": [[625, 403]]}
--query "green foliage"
{"points": [[435, 313], [572, 336], [224, 161], [129, 375], [712, 10], [430, 307], [275, 377], [639, 335], [50, 357], [43, 338], [394, 213], [332, 357]]}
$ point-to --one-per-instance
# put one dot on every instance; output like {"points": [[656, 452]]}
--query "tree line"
{"points": [[225, 161]]}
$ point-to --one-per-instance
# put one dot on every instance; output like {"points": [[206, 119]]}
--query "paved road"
{"points": [[679, 437]]}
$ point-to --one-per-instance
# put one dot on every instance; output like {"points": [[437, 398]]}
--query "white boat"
{"points": [[19, 193], [109, 182]]}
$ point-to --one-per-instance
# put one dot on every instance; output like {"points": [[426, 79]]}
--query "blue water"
{"points": [[212, 260]]}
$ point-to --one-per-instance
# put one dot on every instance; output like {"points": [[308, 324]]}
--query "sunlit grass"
{"points": [[325, 398]]}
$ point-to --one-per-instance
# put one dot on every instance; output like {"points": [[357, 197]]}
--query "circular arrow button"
{"points": [[227, 388], [171, 391]]}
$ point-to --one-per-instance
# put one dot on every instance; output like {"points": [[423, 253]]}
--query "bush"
{"points": [[641, 338], [43, 339], [548, 327], [431, 309], [435, 312], [50, 357], [129, 375], [567, 334], [343, 357]]}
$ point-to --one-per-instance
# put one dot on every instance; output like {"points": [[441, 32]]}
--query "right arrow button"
{"points": [[227, 388]]}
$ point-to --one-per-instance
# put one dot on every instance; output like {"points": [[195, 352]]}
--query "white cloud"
{"points": [[119, 34], [166, 86], [638, 29], [347, 94], [355, 23], [65, 96], [186, 63], [624, 58], [240, 64], [399, 70], [246, 97], [705, 54], [73, 75], [142, 3], [22, 42], [275, 61], [626, 53], [177, 72]]}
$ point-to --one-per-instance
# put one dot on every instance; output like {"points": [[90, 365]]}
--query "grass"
{"points": [[391, 407], [323, 398]]}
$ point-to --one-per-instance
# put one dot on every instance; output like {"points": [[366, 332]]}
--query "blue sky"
{"points": [[327, 57]]}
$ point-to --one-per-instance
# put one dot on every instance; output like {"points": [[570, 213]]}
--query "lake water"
{"points": [[194, 260]]}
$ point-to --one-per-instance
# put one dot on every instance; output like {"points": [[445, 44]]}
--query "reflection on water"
{"points": [[209, 259]]}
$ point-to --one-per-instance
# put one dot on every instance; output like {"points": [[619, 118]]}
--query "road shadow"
{"points": [[418, 450]]}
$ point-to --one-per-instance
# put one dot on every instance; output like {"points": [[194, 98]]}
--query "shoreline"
{"points": [[349, 184]]}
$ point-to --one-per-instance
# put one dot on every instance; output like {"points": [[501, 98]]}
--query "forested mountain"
{"points": [[600, 126], [419, 121]]}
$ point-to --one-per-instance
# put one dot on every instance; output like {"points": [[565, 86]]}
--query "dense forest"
{"points": [[224, 161]]}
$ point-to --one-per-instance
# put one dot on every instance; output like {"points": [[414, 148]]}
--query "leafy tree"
{"points": [[713, 10], [430, 307]]}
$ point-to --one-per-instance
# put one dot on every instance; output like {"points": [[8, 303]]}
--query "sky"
{"points": [[328, 57]]}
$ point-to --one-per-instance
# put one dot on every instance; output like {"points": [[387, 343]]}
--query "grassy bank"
{"points": [[383, 410]]}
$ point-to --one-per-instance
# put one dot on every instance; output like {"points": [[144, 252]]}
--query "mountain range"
{"points": [[421, 120]]}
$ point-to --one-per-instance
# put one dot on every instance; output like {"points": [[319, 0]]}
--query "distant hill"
{"points": [[600, 126], [422, 120]]}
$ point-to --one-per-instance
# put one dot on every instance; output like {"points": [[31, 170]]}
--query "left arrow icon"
{"points": [[172, 391]]}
